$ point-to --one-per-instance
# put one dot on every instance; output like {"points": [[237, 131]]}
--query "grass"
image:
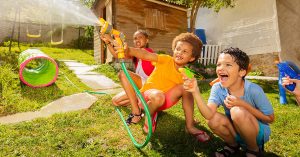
{"points": [[98, 131], [19, 98]]}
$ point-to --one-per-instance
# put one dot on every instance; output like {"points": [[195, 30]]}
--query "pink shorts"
{"points": [[167, 104]]}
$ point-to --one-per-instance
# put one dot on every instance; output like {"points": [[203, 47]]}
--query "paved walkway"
{"points": [[73, 102], [92, 79], [262, 78]]}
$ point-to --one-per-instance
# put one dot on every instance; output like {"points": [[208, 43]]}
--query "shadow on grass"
{"points": [[171, 139], [41, 95]]}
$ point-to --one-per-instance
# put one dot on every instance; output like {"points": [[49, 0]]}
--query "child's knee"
{"points": [[217, 121], [157, 98], [238, 114]]}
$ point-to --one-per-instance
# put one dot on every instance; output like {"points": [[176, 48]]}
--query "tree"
{"points": [[196, 4]]}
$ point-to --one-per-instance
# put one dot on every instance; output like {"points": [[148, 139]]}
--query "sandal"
{"points": [[154, 122], [201, 136], [258, 154], [228, 150], [130, 117]]}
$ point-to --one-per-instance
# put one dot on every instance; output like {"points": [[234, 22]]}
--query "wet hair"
{"points": [[144, 34], [240, 57], [193, 40]]}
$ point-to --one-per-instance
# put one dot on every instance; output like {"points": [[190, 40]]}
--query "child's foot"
{"points": [[154, 123], [134, 118], [251, 153], [200, 135], [227, 151]]}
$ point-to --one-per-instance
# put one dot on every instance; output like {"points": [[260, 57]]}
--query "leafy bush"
{"points": [[203, 72], [161, 52], [82, 43], [7, 57], [256, 73], [26, 44], [10, 89]]}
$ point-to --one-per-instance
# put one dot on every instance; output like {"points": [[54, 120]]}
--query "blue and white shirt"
{"points": [[253, 95]]}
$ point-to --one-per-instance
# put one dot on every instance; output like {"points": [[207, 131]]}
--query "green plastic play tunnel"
{"points": [[37, 69]]}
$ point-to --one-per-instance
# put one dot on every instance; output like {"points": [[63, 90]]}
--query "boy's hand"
{"points": [[190, 84], [288, 81], [231, 101]]}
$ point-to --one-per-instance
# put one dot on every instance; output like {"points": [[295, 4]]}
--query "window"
{"points": [[155, 19]]}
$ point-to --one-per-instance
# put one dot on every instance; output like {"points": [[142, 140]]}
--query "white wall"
{"points": [[251, 25]]}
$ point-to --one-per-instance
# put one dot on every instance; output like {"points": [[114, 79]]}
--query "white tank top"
{"points": [[140, 71]]}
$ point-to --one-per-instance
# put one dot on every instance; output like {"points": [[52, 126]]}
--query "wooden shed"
{"points": [[162, 21]]}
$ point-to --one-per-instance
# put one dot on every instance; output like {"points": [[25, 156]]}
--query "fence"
{"points": [[209, 54]]}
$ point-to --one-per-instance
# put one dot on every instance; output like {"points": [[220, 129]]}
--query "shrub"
{"points": [[7, 57], [10, 89], [82, 43], [256, 73]]}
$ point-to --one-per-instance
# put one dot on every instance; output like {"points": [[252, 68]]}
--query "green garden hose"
{"points": [[147, 113]]}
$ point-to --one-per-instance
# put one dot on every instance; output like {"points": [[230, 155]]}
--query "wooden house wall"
{"points": [[289, 30], [130, 15]]}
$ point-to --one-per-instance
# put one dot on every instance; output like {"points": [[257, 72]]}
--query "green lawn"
{"points": [[99, 131]]}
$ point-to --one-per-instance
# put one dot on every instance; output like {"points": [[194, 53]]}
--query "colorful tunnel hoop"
{"points": [[37, 56]]}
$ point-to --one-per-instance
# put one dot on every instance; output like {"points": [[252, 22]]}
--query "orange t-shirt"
{"points": [[165, 76]]}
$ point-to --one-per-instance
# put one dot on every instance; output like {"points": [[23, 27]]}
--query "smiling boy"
{"points": [[248, 112]]}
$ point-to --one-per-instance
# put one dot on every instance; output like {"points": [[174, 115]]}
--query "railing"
{"points": [[209, 54]]}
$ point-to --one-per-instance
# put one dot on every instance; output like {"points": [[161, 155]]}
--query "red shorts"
{"points": [[167, 104]]}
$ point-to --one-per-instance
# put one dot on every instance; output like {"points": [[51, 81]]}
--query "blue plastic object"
{"points": [[288, 69], [201, 34], [282, 93]]}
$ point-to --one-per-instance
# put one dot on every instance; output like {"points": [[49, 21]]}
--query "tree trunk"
{"points": [[194, 11]]}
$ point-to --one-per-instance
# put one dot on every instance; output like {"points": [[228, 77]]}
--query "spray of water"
{"points": [[48, 12]]}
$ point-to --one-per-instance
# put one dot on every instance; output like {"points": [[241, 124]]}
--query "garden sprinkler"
{"points": [[286, 70], [119, 38], [187, 72]]}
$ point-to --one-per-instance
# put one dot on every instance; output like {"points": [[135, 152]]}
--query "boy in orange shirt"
{"points": [[164, 87]]}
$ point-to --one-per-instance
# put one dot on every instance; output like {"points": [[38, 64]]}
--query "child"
{"points": [[247, 109], [164, 88], [296, 92], [143, 69]]}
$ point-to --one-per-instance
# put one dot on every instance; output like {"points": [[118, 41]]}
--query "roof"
{"points": [[170, 4], [185, 5], [167, 3]]}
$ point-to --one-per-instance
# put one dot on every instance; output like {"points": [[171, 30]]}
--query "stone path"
{"points": [[73, 102], [92, 79], [262, 78]]}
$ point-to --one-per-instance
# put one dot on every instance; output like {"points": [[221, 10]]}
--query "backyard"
{"points": [[98, 131]]}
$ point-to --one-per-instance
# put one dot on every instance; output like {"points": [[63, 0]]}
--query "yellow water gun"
{"points": [[119, 37]]}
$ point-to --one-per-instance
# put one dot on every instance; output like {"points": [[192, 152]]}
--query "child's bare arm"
{"points": [[232, 101], [259, 115], [109, 42], [142, 54], [207, 111]]}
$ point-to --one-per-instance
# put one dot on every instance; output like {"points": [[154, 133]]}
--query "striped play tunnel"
{"points": [[37, 69]]}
